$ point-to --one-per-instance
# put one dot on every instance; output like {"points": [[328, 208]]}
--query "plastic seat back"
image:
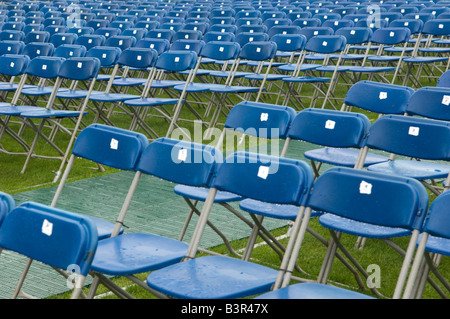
{"points": [[192, 45], [326, 44], [310, 32], [271, 179], [411, 136], [11, 47], [414, 25], [330, 128], [444, 80], [307, 22], [289, 42], [431, 102], [12, 35], [107, 56], [13, 65], [181, 162], [58, 39], [121, 41], [110, 146], [218, 36], [437, 222], [260, 119], [355, 35], [391, 35], [91, 40], [437, 27], [379, 97], [161, 34], [138, 58], [80, 68], [51, 236], [70, 50], [7, 204], [160, 45], [176, 61], [369, 197], [36, 49], [258, 50], [220, 50]]}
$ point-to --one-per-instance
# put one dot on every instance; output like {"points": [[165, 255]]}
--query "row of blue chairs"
{"points": [[369, 197]]}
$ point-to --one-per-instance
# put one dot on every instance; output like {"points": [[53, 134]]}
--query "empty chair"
{"points": [[58, 39], [90, 40], [36, 49], [357, 202], [235, 278], [122, 42], [41, 233], [70, 50]]}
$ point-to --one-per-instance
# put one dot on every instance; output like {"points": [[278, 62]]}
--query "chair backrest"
{"points": [[161, 34], [176, 61], [220, 50], [110, 146], [444, 80], [437, 222], [108, 32], [138, 58], [214, 28], [45, 67], [121, 41], [415, 137], [330, 128], [51, 236], [91, 40], [431, 102], [307, 22], [36, 49], [310, 32], [79, 68], [7, 204], [355, 35], [181, 162], [258, 50], [289, 42], [70, 50], [326, 44], [391, 35], [13, 65], [382, 98], [108, 56], [414, 25], [160, 45], [370, 197], [267, 178], [12, 35], [280, 29], [246, 37], [58, 39], [260, 119], [192, 45], [218, 36], [437, 27]]}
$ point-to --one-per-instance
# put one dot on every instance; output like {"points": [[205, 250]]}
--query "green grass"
{"points": [[40, 173]]}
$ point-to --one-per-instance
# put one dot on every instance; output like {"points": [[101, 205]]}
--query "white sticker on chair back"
{"points": [[413, 130], [114, 144], [263, 172], [383, 95], [182, 154], [47, 228], [264, 117], [446, 100], [365, 188], [329, 124]]}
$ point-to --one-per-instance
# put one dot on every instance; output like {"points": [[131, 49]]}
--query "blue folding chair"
{"points": [[41, 233], [416, 138], [170, 160], [358, 202], [58, 39], [430, 102], [37, 49], [433, 241], [108, 57], [90, 40], [444, 80], [268, 178], [67, 51]]}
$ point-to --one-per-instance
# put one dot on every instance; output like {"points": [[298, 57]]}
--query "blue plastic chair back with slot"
{"points": [[51, 236], [7, 204], [379, 97], [431, 102]]}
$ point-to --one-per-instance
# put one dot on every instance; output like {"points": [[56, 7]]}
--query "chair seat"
{"points": [[112, 97], [435, 49], [164, 84], [260, 77], [198, 278], [35, 91], [136, 253], [224, 74], [437, 245], [18, 109], [12, 87], [383, 58], [425, 59], [356, 228], [288, 212], [104, 228], [370, 69], [129, 81], [266, 64], [342, 156], [194, 87], [313, 291], [73, 94], [198, 72], [304, 67], [200, 194], [305, 79], [50, 113], [152, 101], [414, 169], [233, 89], [332, 68], [105, 77]]}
